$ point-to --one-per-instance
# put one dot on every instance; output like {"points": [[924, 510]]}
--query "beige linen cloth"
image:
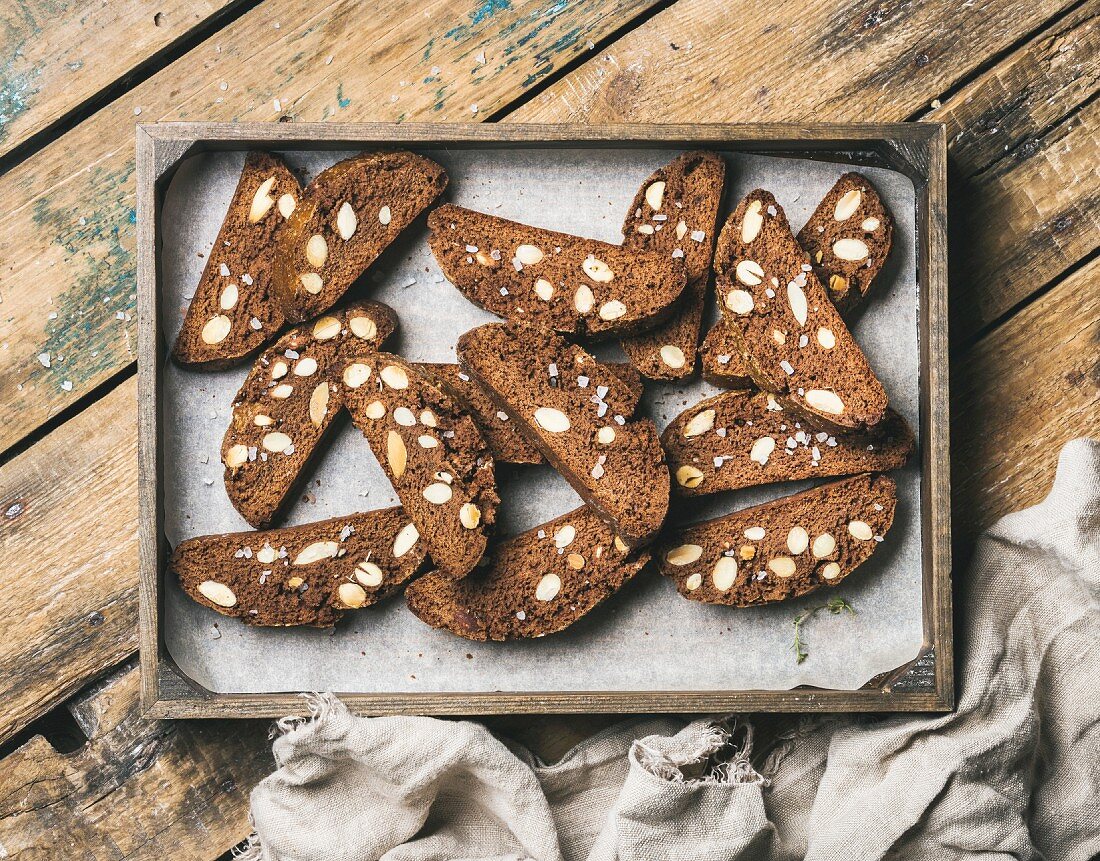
{"points": [[1013, 773]]}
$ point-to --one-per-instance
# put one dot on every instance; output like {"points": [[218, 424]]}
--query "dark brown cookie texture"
{"points": [[782, 549], [287, 402], [234, 311], [531, 585], [431, 451], [348, 216], [675, 213], [507, 444], [577, 412], [554, 280], [744, 438], [723, 364], [301, 575], [792, 338], [848, 239]]}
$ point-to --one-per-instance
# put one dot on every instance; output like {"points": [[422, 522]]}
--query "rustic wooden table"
{"points": [[1015, 82]]}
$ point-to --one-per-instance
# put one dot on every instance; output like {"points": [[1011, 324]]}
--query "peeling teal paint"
{"points": [[488, 9], [15, 94], [428, 50], [340, 100], [102, 282]]}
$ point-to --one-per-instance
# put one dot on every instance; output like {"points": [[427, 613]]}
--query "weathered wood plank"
{"points": [[1018, 395], [1025, 186], [137, 790], [68, 556], [54, 56], [867, 61], [1018, 225], [1025, 181], [66, 235]]}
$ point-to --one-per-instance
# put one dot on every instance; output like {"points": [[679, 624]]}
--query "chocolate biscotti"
{"points": [[287, 402], [792, 338], [431, 451], [848, 238], [782, 549], [676, 213], [301, 575], [576, 411], [723, 364], [348, 215], [234, 311], [507, 444], [565, 283], [533, 584], [745, 438]]}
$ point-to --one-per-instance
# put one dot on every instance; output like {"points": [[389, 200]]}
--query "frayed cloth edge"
{"points": [[736, 769], [320, 706]]}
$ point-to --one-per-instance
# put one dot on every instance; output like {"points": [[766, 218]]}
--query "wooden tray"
{"points": [[916, 150]]}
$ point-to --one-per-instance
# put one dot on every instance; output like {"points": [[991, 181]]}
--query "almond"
{"points": [[262, 201], [752, 222], [552, 420], [318, 404], [852, 250], [217, 593], [749, 272], [685, 554], [655, 194], [216, 329], [396, 454], [825, 401], [317, 250], [724, 574], [346, 222], [847, 205]]}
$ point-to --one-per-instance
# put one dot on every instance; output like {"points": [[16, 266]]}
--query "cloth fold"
{"points": [[1014, 772]]}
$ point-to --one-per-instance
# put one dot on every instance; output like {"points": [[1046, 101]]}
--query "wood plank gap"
{"points": [[555, 76], [1019, 153], [994, 60], [74, 409], [140, 73], [958, 349]]}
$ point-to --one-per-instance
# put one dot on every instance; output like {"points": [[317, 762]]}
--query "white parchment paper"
{"points": [[647, 637]]}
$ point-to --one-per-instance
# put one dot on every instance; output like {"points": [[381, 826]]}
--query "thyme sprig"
{"points": [[835, 605]]}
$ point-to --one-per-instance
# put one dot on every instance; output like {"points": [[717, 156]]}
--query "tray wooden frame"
{"points": [[917, 150]]}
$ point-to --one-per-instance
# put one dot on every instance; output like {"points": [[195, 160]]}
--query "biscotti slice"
{"points": [[577, 412], [723, 364], [433, 454], [287, 402], [782, 549], [741, 439], [507, 444], [571, 285], [349, 214], [848, 238], [301, 575], [533, 584], [676, 213], [792, 337], [234, 311]]}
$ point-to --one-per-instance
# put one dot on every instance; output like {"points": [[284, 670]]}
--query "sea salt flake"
{"points": [[698, 235], [223, 270]]}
